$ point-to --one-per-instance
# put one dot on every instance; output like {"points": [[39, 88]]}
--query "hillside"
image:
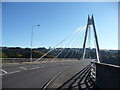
{"points": [[106, 56]]}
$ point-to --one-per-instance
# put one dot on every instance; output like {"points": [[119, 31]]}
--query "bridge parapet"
{"points": [[106, 75]]}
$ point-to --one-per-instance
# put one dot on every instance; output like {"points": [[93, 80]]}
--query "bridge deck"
{"points": [[66, 75], [38, 74]]}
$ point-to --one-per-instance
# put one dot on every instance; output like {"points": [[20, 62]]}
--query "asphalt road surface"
{"points": [[37, 75]]}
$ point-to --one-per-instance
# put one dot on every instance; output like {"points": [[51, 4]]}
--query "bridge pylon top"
{"points": [[89, 20]]}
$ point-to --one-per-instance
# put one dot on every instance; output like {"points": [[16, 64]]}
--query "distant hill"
{"points": [[106, 56], [39, 53], [17, 52]]}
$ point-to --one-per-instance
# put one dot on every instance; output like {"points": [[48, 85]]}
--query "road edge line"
{"points": [[46, 85]]}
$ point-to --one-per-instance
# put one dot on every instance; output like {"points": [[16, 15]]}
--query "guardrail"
{"points": [[14, 60], [93, 71]]}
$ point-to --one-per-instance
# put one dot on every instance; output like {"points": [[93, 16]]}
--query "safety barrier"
{"points": [[105, 75]]}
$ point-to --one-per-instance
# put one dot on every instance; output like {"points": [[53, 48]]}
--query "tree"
{"points": [[4, 55]]}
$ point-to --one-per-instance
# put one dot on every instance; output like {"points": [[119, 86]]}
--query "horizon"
{"points": [[50, 47]]}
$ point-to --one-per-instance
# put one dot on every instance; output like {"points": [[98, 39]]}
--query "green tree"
{"points": [[4, 55]]}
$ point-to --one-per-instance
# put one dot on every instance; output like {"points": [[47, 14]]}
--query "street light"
{"points": [[32, 40]]}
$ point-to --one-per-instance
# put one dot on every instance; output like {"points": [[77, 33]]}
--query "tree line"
{"points": [[106, 56]]}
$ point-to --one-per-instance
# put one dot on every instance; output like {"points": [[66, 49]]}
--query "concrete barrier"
{"points": [[107, 76]]}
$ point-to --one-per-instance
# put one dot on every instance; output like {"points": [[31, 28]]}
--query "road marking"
{"points": [[46, 85], [14, 72], [3, 71], [11, 72], [35, 68], [23, 68], [18, 70]]}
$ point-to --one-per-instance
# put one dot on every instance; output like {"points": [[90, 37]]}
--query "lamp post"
{"points": [[32, 41]]}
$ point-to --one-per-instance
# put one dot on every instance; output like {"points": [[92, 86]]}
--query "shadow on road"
{"points": [[81, 81]]}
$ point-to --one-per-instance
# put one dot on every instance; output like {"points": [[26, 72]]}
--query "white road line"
{"points": [[14, 72], [35, 68], [23, 68], [51, 81], [11, 72], [3, 71], [18, 70]]}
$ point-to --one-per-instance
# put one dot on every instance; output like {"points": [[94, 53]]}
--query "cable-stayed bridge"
{"points": [[69, 68], [77, 39]]}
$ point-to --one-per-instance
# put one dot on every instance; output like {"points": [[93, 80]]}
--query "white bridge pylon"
{"points": [[90, 22]]}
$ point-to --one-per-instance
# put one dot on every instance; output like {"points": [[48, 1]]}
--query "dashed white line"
{"points": [[23, 68], [35, 68], [4, 71]]}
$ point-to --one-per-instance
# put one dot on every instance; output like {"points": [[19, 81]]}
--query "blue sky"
{"points": [[57, 20]]}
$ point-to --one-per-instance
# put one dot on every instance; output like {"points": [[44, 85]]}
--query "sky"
{"points": [[57, 20], [119, 26]]}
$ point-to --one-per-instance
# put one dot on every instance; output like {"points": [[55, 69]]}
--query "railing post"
{"points": [[93, 71]]}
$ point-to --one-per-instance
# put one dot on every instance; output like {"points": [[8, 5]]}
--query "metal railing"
{"points": [[20, 60], [14, 60], [93, 71]]}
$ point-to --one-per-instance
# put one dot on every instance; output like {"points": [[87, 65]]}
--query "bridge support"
{"points": [[91, 22]]}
